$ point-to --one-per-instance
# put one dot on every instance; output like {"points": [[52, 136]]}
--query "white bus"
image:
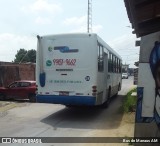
{"points": [[76, 69]]}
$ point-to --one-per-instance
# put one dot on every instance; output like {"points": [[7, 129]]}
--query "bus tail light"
{"points": [[36, 91], [94, 90]]}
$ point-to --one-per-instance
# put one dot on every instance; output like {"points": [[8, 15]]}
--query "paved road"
{"points": [[49, 120], [127, 84]]}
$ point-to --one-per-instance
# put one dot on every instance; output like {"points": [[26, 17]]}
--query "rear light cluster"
{"points": [[36, 89], [94, 90]]}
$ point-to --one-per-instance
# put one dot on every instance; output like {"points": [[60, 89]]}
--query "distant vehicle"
{"points": [[76, 69], [23, 89], [124, 75]]}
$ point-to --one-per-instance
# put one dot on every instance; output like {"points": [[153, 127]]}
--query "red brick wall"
{"points": [[10, 73], [27, 72]]}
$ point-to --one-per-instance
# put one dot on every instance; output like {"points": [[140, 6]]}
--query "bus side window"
{"points": [[109, 62], [113, 63], [117, 65], [100, 58], [120, 66]]}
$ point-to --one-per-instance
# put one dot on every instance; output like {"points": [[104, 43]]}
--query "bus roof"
{"points": [[73, 35], [70, 35]]}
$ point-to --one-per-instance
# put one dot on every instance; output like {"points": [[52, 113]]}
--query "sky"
{"points": [[22, 20]]}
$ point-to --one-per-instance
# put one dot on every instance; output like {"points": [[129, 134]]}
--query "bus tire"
{"points": [[32, 97], [69, 106], [119, 87], [2, 97]]}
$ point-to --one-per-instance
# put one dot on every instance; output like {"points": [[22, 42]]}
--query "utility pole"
{"points": [[23, 58], [89, 24]]}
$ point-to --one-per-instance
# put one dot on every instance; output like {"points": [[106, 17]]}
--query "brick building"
{"points": [[10, 72]]}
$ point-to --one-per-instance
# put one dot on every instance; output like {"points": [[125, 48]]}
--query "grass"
{"points": [[129, 103]]}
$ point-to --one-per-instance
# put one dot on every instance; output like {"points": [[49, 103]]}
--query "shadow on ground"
{"points": [[88, 117]]}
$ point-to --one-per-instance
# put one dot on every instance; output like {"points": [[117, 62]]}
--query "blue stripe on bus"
{"points": [[67, 100]]}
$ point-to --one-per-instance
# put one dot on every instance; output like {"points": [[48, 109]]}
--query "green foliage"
{"points": [[24, 56], [129, 103], [32, 56]]}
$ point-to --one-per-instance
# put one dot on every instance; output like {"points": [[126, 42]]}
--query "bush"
{"points": [[129, 103]]}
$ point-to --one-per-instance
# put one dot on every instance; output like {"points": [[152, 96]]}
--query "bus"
{"points": [[76, 69]]}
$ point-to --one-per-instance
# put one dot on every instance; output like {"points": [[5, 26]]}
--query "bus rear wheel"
{"points": [[119, 87], [2, 97], [32, 97]]}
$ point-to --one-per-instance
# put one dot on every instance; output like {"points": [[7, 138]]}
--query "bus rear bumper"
{"points": [[67, 100]]}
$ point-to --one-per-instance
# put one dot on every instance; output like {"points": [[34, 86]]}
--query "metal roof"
{"points": [[144, 16]]}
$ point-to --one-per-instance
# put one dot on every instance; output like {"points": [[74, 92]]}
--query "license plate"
{"points": [[64, 93]]}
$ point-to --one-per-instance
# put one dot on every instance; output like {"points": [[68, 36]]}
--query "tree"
{"points": [[24, 56], [31, 56]]}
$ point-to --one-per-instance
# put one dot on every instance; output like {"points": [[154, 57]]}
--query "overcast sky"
{"points": [[22, 20]]}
